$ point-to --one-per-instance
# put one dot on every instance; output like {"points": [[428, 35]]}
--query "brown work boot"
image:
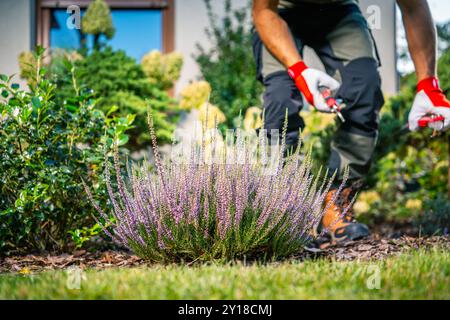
{"points": [[338, 223]]}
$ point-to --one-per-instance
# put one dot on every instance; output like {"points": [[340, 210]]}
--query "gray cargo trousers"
{"points": [[340, 36]]}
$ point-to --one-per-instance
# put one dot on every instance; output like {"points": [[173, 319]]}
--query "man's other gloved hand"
{"points": [[308, 81], [430, 100]]}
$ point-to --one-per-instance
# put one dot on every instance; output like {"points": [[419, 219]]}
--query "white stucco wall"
{"points": [[385, 37], [15, 23], [191, 20]]}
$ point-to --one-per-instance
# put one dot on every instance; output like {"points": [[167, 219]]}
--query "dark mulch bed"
{"points": [[376, 248], [373, 248], [82, 258]]}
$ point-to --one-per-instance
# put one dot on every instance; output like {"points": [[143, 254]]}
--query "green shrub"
{"points": [[229, 66], [27, 65], [162, 70], [46, 149], [119, 81], [436, 217]]}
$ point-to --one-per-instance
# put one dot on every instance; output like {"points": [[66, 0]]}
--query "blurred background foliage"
{"points": [[162, 70], [228, 66], [117, 81]]}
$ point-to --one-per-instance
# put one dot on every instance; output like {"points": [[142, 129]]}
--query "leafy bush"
{"points": [[118, 81], [46, 149], [162, 70], [436, 217], [233, 207], [194, 95], [27, 66], [229, 67], [253, 119], [211, 114]]}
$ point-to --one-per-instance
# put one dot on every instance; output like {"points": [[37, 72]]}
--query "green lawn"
{"points": [[416, 275]]}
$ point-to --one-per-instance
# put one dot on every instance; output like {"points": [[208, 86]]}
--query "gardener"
{"points": [[339, 34]]}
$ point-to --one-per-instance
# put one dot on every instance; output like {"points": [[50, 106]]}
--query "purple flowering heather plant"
{"points": [[199, 210]]}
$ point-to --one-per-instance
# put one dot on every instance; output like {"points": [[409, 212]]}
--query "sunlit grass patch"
{"points": [[415, 275]]}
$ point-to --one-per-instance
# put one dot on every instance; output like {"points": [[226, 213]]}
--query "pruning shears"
{"points": [[335, 104], [435, 122]]}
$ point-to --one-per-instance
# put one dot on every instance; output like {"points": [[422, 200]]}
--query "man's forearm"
{"points": [[421, 36], [275, 35]]}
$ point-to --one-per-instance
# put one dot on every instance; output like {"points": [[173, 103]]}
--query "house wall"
{"points": [[191, 21], [386, 41], [16, 23]]}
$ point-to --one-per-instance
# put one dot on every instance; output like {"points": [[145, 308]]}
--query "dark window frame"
{"points": [[44, 7]]}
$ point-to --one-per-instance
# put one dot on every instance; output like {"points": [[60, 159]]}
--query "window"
{"points": [[141, 26], [131, 27]]}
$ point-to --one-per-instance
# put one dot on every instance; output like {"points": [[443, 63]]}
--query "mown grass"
{"points": [[415, 275]]}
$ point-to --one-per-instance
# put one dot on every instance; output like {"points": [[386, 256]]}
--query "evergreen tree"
{"points": [[98, 21]]}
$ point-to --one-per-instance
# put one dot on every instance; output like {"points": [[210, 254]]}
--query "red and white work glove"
{"points": [[430, 100], [308, 82]]}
